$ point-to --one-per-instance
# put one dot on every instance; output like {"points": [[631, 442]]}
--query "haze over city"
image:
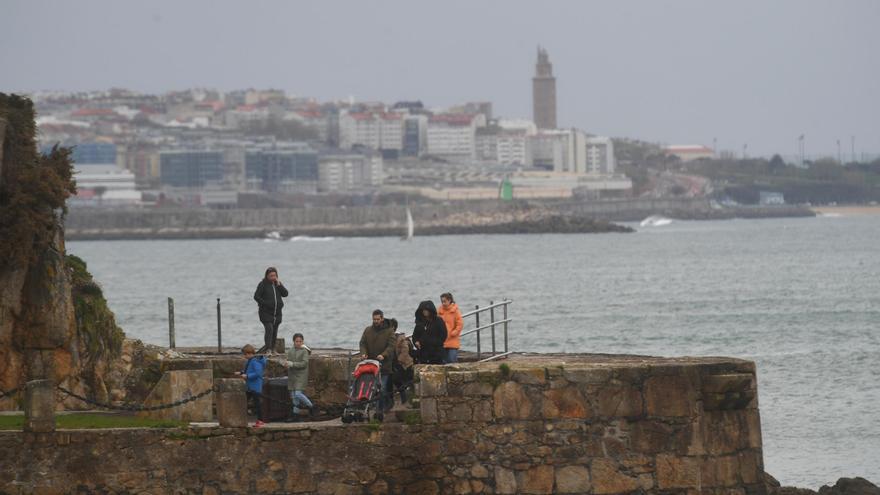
{"points": [[749, 73]]}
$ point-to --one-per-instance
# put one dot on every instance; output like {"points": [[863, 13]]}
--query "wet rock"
{"points": [[851, 486]]}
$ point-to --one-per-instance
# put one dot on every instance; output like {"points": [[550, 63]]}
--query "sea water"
{"points": [[800, 297]]}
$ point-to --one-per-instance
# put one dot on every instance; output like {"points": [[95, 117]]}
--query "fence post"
{"points": [[477, 314], [231, 403], [219, 333], [506, 303], [171, 343], [39, 406], [492, 317]]}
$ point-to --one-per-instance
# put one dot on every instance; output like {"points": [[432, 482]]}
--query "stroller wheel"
{"points": [[346, 418], [379, 417]]}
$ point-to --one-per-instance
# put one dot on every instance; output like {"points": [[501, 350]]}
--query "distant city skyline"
{"points": [[684, 72]]}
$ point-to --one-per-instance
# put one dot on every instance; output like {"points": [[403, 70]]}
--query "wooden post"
{"points": [[171, 343]]}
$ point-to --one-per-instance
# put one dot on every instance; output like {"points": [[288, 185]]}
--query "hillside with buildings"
{"points": [[206, 148]]}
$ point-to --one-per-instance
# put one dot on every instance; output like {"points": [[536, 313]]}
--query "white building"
{"points": [[377, 131], [358, 129], [571, 150], [245, 115], [560, 150], [104, 185], [506, 142], [343, 171], [600, 156], [453, 136]]}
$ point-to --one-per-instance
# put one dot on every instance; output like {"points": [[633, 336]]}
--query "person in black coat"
{"points": [[429, 334], [268, 295]]}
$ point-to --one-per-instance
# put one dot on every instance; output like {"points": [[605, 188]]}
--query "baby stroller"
{"points": [[363, 396]]}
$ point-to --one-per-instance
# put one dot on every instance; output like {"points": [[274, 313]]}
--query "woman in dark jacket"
{"points": [[268, 295], [429, 334]]}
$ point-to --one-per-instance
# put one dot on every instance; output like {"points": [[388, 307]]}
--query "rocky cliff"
{"points": [[54, 322]]}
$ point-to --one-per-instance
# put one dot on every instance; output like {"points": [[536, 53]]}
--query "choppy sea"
{"points": [[800, 297]]}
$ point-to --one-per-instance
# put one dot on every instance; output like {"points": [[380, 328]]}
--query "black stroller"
{"points": [[363, 396]]}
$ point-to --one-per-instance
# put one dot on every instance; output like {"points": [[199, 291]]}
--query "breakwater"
{"points": [[536, 424], [430, 219]]}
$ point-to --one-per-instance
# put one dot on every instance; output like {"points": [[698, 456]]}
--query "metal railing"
{"points": [[503, 322]]}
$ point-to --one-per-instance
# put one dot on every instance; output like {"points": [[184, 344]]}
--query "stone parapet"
{"points": [[534, 425]]}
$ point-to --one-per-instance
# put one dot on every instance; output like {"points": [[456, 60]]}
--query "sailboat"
{"points": [[410, 226]]}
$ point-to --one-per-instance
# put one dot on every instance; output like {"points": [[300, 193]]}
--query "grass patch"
{"points": [[412, 418], [505, 370], [85, 421]]}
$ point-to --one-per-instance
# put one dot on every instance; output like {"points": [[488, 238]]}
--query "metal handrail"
{"points": [[490, 325], [487, 308]]}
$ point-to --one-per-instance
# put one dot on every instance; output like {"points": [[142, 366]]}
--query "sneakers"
{"points": [[259, 424]]}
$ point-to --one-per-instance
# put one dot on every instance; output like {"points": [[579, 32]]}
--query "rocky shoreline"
{"points": [[843, 486]]}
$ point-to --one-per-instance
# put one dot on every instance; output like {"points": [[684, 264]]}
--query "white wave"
{"points": [[310, 239], [830, 215], [655, 221], [274, 235]]}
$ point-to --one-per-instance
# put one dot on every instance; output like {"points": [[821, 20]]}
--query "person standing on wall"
{"points": [[451, 316], [429, 334], [268, 295]]}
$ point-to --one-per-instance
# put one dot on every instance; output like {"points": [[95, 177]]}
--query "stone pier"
{"points": [[535, 424]]}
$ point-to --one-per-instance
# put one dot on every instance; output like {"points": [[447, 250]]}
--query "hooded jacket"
{"points": [[430, 334], [298, 369], [379, 341], [253, 369], [268, 297], [454, 325], [402, 350]]}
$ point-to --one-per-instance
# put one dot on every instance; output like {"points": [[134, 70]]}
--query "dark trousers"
{"points": [[402, 379], [386, 400], [270, 329], [255, 399]]}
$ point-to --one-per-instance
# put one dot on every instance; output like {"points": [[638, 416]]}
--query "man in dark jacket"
{"points": [[268, 295], [429, 334], [377, 342]]}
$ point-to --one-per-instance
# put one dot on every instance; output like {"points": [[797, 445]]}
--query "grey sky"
{"points": [[756, 72]]}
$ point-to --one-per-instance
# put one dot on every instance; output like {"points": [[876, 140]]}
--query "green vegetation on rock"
{"points": [[95, 323], [32, 192]]}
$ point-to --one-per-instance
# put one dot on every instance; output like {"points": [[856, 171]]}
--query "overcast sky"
{"points": [[680, 72]]}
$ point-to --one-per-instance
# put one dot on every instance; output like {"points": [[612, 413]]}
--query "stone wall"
{"points": [[618, 426], [535, 425]]}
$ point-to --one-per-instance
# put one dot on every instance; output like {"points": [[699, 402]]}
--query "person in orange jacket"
{"points": [[451, 316]]}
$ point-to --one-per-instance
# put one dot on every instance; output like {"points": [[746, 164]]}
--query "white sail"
{"points": [[410, 226]]}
